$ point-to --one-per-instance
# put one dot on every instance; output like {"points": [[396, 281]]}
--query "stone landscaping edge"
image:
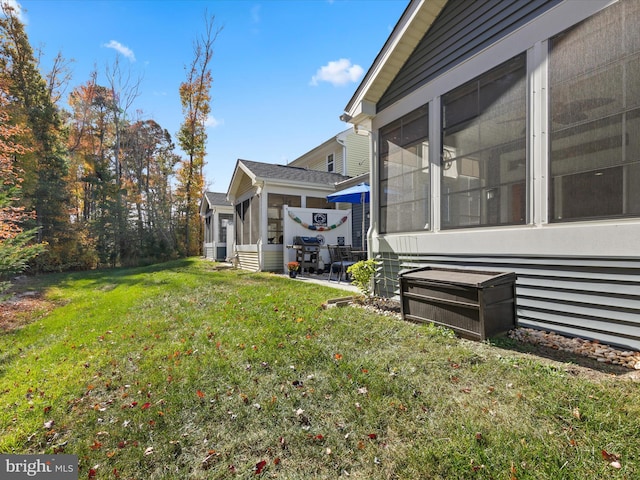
{"points": [[579, 346]]}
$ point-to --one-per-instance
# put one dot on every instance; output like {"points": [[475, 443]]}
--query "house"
{"points": [[217, 214], [506, 137], [259, 193], [346, 153]]}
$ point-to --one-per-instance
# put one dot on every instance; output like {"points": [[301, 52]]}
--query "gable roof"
{"points": [[260, 172], [213, 199], [217, 198], [410, 29]]}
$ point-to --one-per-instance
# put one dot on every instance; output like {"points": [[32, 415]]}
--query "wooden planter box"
{"points": [[475, 304]]}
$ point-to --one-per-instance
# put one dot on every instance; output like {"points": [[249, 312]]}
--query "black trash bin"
{"points": [[475, 304]]}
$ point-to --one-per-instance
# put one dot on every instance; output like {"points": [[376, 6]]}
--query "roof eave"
{"points": [[410, 29]]}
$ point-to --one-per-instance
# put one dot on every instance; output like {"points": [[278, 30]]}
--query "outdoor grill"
{"points": [[307, 253]]}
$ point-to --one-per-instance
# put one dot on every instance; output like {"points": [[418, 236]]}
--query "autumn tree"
{"points": [[45, 167], [195, 98], [92, 174], [16, 244], [148, 162]]}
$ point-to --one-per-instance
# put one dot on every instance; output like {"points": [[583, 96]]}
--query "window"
{"points": [[243, 218], [207, 228], [248, 221], [225, 220], [319, 202], [483, 170], [330, 165], [594, 104], [404, 173], [275, 227]]}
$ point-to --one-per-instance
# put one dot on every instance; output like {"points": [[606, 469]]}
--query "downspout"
{"points": [[373, 183], [262, 225], [344, 154]]}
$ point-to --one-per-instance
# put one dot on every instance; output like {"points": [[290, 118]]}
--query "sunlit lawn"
{"points": [[181, 370]]}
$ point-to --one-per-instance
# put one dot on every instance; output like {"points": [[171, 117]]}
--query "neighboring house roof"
{"points": [[217, 198], [212, 199], [260, 172], [408, 32]]}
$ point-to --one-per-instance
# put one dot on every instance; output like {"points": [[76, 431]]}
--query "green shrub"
{"points": [[362, 274]]}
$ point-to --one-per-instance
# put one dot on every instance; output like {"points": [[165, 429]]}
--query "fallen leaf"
{"points": [[49, 424], [610, 457], [92, 473], [576, 413], [338, 356], [96, 445], [616, 464], [372, 436], [200, 393], [148, 451], [145, 406], [260, 466]]}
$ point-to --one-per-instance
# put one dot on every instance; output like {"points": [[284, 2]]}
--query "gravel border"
{"points": [[579, 346]]}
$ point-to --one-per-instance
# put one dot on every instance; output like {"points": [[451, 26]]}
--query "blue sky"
{"points": [[283, 70]]}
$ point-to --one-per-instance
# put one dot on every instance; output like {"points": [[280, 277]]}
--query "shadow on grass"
{"points": [[99, 279]]}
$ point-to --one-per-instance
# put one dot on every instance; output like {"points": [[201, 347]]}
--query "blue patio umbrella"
{"points": [[356, 194]]}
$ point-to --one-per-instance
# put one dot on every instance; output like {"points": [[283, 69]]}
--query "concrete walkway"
{"points": [[322, 280]]}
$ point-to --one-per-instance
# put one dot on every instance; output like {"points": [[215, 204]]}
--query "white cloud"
{"points": [[17, 9], [338, 73], [255, 13], [213, 122], [118, 47]]}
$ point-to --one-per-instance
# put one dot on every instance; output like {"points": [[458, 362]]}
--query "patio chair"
{"points": [[340, 261], [338, 266]]}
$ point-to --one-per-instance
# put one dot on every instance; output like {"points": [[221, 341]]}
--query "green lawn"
{"points": [[182, 371]]}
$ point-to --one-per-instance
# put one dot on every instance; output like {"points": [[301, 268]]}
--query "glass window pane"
{"points": [[594, 109], [319, 202], [225, 220], [483, 171], [404, 173]]}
